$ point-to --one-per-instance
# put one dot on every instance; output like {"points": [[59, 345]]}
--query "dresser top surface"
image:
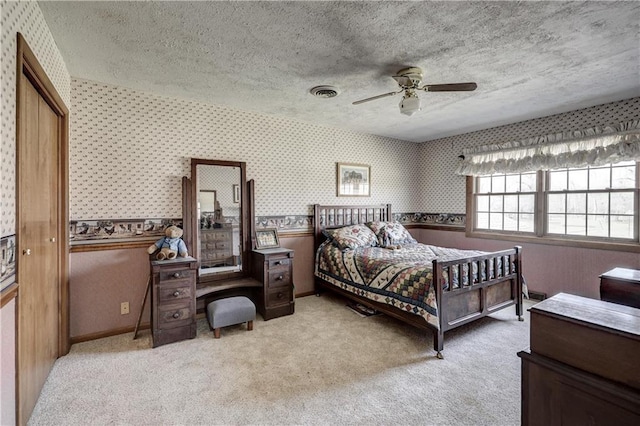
{"points": [[175, 261], [623, 274], [278, 250], [612, 316]]}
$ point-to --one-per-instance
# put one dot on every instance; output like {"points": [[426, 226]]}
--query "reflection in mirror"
{"points": [[219, 213]]}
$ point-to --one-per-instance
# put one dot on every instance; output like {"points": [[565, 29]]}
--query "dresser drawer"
{"points": [[278, 263], [223, 245], [171, 292], [279, 296], [168, 275], [174, 315], [279, 278]]}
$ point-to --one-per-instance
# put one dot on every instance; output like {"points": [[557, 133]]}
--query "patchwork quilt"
{"points": [[400, 277]]}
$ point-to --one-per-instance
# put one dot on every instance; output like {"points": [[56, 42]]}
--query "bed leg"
{"points": [[519, 312], [318, 288], [519, 308], [438, 343]]}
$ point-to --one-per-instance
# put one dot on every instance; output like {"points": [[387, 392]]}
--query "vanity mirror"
{"points": [[216, 213]]}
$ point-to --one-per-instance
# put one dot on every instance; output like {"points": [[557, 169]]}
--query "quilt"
{"points": [[402, 277]]}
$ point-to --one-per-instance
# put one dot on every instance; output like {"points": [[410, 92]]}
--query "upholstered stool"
{"points": [[230, 311]]}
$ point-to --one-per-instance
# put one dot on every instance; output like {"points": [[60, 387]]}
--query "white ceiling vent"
{"points": [[325, 91]]}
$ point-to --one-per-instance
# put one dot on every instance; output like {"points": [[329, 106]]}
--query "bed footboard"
{"points": [[474, 287]]}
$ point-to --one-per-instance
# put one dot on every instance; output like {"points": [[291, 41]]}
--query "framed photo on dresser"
{"points": [[267, 238]]}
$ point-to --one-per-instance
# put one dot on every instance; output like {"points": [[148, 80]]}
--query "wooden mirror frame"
{"points": [[191, 222]]}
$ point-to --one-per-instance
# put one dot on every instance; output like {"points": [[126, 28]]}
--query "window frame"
{"points": [[540, 235]]}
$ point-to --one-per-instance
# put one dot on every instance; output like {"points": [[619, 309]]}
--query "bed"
{"points": [[396, 279]]}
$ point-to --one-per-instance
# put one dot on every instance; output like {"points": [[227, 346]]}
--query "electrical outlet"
{"points": [[124, 308]]}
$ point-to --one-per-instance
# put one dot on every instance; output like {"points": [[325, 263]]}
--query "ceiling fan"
{"points": [[409, 80]]}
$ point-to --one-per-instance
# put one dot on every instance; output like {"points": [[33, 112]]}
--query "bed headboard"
{"points": [[329, 217]]}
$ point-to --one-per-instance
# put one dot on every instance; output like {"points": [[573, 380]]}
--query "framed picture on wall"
{"points": [[236, 193], [353, 180], [267, 238]]}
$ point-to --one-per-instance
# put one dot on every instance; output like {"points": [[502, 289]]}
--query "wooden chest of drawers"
{"points": [[173, 296], [216, 246], [621, 285], [582, 365], [274, 268]]}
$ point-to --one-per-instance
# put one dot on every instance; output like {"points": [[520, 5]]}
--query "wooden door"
{"points": [[42, 264], [38, 277]]}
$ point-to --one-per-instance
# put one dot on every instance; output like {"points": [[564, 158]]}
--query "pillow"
{"points": [[352, 237], [391, 233]]}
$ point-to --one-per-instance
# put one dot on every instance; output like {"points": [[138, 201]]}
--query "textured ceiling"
{"points": [[530, 59]]}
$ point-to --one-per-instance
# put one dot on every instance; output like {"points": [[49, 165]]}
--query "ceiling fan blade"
{"points": [[376, 97], [453, 87]]}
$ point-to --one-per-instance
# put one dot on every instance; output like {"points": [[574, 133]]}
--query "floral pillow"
{"points": [[352, 237], [391, 233]]}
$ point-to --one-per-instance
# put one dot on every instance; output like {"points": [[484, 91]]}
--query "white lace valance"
{"points": [[595, 146]]}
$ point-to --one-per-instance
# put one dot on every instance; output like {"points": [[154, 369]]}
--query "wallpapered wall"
{"points": [[130, 149], [442, 191], [26, 18]]}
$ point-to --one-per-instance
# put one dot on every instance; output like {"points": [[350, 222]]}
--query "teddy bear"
{"points": [[171, 245]]}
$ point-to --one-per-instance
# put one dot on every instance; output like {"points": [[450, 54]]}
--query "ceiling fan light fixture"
{"points": [[410, 104]]}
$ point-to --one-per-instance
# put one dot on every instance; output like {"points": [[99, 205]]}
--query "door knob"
{"points": [[52, 239], [26, 252]]}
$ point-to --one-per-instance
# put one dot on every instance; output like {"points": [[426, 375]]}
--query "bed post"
{"points": [[438, 335], [518, 262], [316, 225], [316, 242]]}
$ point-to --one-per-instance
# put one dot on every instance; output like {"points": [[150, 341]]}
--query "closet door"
{"points": [[38, 303], [42, 315]]}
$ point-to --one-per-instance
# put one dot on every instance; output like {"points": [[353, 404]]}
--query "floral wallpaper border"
{"points": [[439, 219], [109, 231], [8, 268]]}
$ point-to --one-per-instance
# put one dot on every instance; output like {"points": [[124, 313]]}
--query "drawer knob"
{"points": [[176, 315], [176, 275], [176, 293], [277, 263], [280, 295], [280, 278]]}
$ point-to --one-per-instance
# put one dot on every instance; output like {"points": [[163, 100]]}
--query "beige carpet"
{"points": [[323, 365]]}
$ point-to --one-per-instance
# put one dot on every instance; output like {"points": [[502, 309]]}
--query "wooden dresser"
{"points": [[274, 268], [582, 366], [621, 285], [216, 246], [173, 290]]}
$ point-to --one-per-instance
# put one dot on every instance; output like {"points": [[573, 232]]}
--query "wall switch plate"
{"points": [[124, 308]]}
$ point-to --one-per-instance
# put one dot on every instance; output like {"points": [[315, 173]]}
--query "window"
{"points": [[588, 203], [506, 202]]}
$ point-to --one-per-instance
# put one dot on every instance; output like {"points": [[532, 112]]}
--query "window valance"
{"points": [[593, 146]]}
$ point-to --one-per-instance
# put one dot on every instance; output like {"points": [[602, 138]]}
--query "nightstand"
{"points": [[173, 300], [274, 269]]}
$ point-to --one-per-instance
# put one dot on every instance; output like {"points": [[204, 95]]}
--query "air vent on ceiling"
{"points": [[324, 91]]}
